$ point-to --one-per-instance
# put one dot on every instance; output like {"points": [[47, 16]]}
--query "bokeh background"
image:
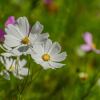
{"points": [[66, 21]]}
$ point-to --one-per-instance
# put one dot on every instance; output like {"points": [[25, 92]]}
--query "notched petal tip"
{"points": [[37, 28], [55, 49], [10, 20]]}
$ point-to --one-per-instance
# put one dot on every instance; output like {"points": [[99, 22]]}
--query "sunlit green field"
{"points": [[66, 21]]}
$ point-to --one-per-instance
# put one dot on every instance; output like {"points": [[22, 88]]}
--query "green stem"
{"points": [[90, 87], [19, 97], [25, 83]]}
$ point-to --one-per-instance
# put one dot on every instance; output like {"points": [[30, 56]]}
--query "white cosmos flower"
{"points": [[19, 35], [15, 67], [48, 55]]}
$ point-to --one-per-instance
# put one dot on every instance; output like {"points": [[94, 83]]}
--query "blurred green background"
{"points": [[66, 21]]}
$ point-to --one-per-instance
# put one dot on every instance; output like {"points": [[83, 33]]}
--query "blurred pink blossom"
{"points": [[50, 5], [2, 38], [47, 1], [89, 45], [10, 20]]}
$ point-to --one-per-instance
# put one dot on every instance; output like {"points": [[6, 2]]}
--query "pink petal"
{"points": [[47, 1], [88, 38], [86, 48], [2, 36], [10, 20], [96, 51]]}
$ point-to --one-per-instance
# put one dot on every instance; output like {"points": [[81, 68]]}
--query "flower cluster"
{"points": [[20, 39]]}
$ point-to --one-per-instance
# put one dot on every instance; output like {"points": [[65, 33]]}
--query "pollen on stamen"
{"points": [[25, 40], [46, 57]]}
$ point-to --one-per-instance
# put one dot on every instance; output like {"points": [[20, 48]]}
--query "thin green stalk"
{"points": [[90, 87], [25, 83]]}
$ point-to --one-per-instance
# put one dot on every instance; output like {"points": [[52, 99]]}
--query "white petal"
{"points": [[59, 57], [15, 52], [30, 51], [6, 54], [55, 65], [11, 41], [17, 76], [22, 63], [23, 72], [38, 38], [9, 62], [2, 60], [37, 28], [38, 49], [37, 58], [46, 65], [55, 49], [23, 25], [47, 45], [42, 37], [33, 37], [14, 31], [12, 52], [5, 74], [7, 47]]}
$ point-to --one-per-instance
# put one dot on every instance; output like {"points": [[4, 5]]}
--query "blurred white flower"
{"points": [[48, 55], [83, 75], [19, 35], [80, 52], [16, 67]]}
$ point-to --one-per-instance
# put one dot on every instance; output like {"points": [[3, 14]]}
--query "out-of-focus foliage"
{"points": [[66, 22]]}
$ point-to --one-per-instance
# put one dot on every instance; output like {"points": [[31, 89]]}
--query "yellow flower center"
{"points": [[93, 46], [25, 40], [46, 57], [12, 68]]}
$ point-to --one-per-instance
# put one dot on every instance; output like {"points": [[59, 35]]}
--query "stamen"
{"points": [[25, 40], [46, 57], [93, 46]]}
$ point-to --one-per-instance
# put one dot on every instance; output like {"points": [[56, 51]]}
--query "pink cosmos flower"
{"points": [[89, 45], [2, 38], [10, 20]]}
